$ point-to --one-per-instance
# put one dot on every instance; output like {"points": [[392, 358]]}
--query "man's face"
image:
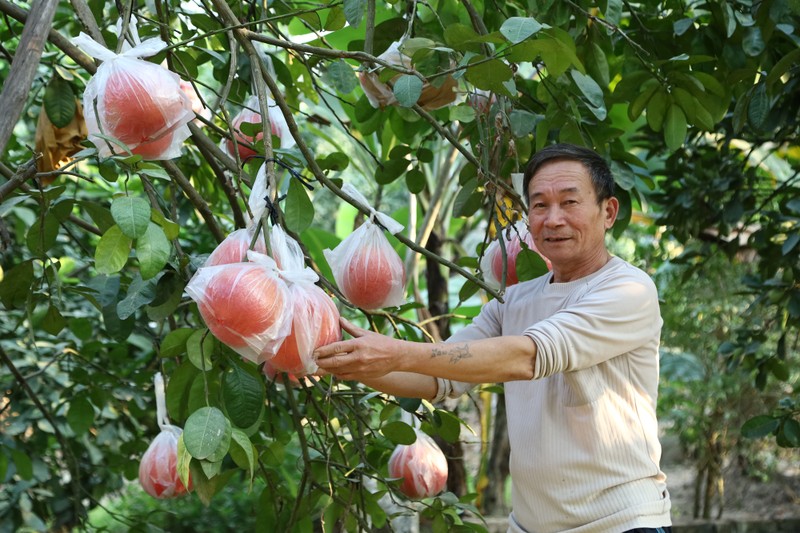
{"points": [[566, 221]]}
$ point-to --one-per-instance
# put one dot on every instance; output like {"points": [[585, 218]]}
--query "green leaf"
{"points": [[152, 250], [468, 200], [206, 432], [184, 460], [758, 107], [522, 122], [592, 92], [490, 75], [298, 209], [42, 234], [132, 215], [99, 214], [59, 102], [16, 284], [354, 11], [407, 89], [341, 76], [243, 452], [174, 344], [790, 243], [244, 395], [790, 430], [753, 43], [675, 127], [80, 415], [760, 426], [112, 251], [53, 322], [199, 347], [140, 293], [415, 181], [462, 113], [530, 265], [336, 161], [517, 29], [178, 390], [171, 229], [447, 425], [399, 433]]}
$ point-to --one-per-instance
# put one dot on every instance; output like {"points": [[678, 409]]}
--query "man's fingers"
{"points": [[351, 328]]}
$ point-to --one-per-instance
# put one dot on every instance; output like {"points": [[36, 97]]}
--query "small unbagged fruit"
{"points": [[421, 467]]}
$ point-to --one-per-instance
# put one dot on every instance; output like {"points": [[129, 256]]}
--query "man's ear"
{"points": [[611, 209]]}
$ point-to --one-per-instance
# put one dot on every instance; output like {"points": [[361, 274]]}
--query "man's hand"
{"points": [[367, 355]]}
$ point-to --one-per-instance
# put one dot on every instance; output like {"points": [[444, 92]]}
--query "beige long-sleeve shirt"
{"points": [[584, 437]]}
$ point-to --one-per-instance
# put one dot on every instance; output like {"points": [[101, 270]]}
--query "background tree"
{"points": [[694, 103]]}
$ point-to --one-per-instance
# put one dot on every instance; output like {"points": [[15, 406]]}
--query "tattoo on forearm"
{"points": [[456, 353]]}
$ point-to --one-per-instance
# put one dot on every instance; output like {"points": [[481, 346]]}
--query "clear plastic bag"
{"points": [[158, 469], [250, 114], [492, 260], [247, 306], [421, 466], [134, 101], [315, 318], [368, 271]]}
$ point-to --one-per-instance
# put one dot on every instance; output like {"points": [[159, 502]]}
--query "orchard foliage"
{"points": [[694, 103]]}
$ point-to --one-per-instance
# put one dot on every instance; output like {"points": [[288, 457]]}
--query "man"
{"points": [[577, 350]]}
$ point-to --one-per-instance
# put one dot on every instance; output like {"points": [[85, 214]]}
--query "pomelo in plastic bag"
{"points": [[233, 249], [421, 466], [374, 272], [158, 472], [492, 261], [245, 305]]}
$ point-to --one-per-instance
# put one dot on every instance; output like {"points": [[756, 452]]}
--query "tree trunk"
{"points": [[497, 470]]}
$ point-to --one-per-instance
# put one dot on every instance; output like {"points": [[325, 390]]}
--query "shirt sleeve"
{"points": [[612, 318], [486, 325]]}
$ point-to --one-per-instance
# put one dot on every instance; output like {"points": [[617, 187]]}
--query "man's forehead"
{"points": [[564, 189]]}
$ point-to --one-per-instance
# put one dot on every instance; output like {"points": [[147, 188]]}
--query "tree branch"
{"points": [[197, 201], [53, 36], [23, 68]]}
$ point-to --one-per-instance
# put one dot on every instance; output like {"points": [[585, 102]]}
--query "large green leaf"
{"points": [[760, 426], [517, 29], [675, 127], [199, 347], [42, 234], [342, 77], [298, 209], [112, 251], [407, 89], [59, 102], [243, 452], [489, 75], [174, 344], [152, 250], [206, 433], [16, 284], [243, 394], [80, 415], [132, 215], [140, 293], [354, 12], [758, 108], [399, 433]]}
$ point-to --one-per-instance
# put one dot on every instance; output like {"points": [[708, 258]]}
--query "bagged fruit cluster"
{"points": [[158, 470], [380, 94], [492, 261], [134, 101], [245, 305], [315, 319], [250, 114], [421, 466], [368, 271]]}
